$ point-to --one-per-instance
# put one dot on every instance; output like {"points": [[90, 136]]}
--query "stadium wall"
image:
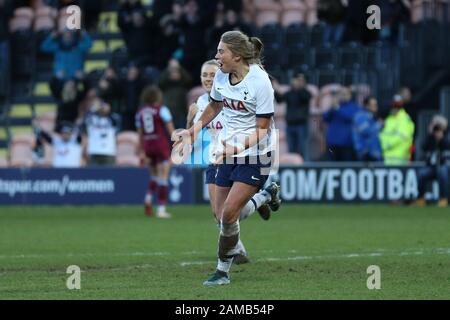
{"points": [[324, 183]]}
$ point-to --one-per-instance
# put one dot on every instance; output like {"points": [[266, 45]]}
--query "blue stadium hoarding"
{"points": [[322, 183], [346, 183], [86, 186]]}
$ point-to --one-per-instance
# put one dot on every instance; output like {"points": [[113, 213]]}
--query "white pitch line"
{"points": [[334, 256]]}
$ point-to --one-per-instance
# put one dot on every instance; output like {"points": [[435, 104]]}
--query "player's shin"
{"points": [[228, 240]]}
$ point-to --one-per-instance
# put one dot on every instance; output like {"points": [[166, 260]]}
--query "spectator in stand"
{"points": [[100, 127], [233, 22], [6, 12], [66, 145], [393, 13], [194, 25], [397, 135], [297, 100], [175, 82], [133, 85], [340, 119], [437, 157], [356, 22], [68, 94], [169, 35], [332, 13], [109, 88], [366, 130], [139, 32], [69, 48]]}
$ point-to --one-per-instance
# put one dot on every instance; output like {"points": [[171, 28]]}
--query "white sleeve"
{"points": [[265, 99], [165, 114], [215, 94]]}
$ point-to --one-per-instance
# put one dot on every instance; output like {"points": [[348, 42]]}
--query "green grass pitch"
{"points": [[302, 252]]}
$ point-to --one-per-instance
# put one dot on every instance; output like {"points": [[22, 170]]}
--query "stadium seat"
{"points": [[3, 162], [271, 34], [19, 24], [373, 57], [316, 35], [327, 76], [280, 111], [46, 11], [127, 143], [291, 159], [421, 10], [292, 5], [24, 138], [267, 17], [24, 12], [46, 121], [273, 57], [21, 150], [289, 17], [325, 56], [296, 34], [108, 22], [266, 5], [300, 57], [45, 23], [282, 143], [311, 17], [128, 161], [349, 77], [350, 56], [119, 58]]}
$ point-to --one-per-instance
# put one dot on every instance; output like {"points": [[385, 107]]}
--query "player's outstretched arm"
{"points": [[188, 136]]}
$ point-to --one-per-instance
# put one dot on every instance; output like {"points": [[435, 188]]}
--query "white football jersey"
{"points": [[214, 127], [242, 102], [66, 154]]}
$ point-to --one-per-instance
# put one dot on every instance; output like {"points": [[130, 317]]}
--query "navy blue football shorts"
{"points": [[210, 174], [250, 172]]}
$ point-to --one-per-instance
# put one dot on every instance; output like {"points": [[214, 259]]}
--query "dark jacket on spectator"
{"points": [[6, 12], [175, 93], [141, 41], [297, 106], [436, 153]]}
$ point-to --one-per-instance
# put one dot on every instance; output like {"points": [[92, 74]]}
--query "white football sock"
{"points": [[255, 202]]}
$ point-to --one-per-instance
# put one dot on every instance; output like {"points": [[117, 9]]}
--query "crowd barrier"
{"points": [[320, 183]]}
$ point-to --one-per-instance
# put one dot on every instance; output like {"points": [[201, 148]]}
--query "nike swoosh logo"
{"points": [[253, 178]]}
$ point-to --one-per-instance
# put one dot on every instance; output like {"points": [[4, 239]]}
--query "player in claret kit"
{"points": [[152, 121], [243, 91]]}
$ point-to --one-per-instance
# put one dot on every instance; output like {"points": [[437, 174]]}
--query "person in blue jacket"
{"points": [[366, 130], [69, 48], [340, 120]]}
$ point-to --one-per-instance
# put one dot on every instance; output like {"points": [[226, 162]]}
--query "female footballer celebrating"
{"points": [[242, 89], [258, 201]]}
